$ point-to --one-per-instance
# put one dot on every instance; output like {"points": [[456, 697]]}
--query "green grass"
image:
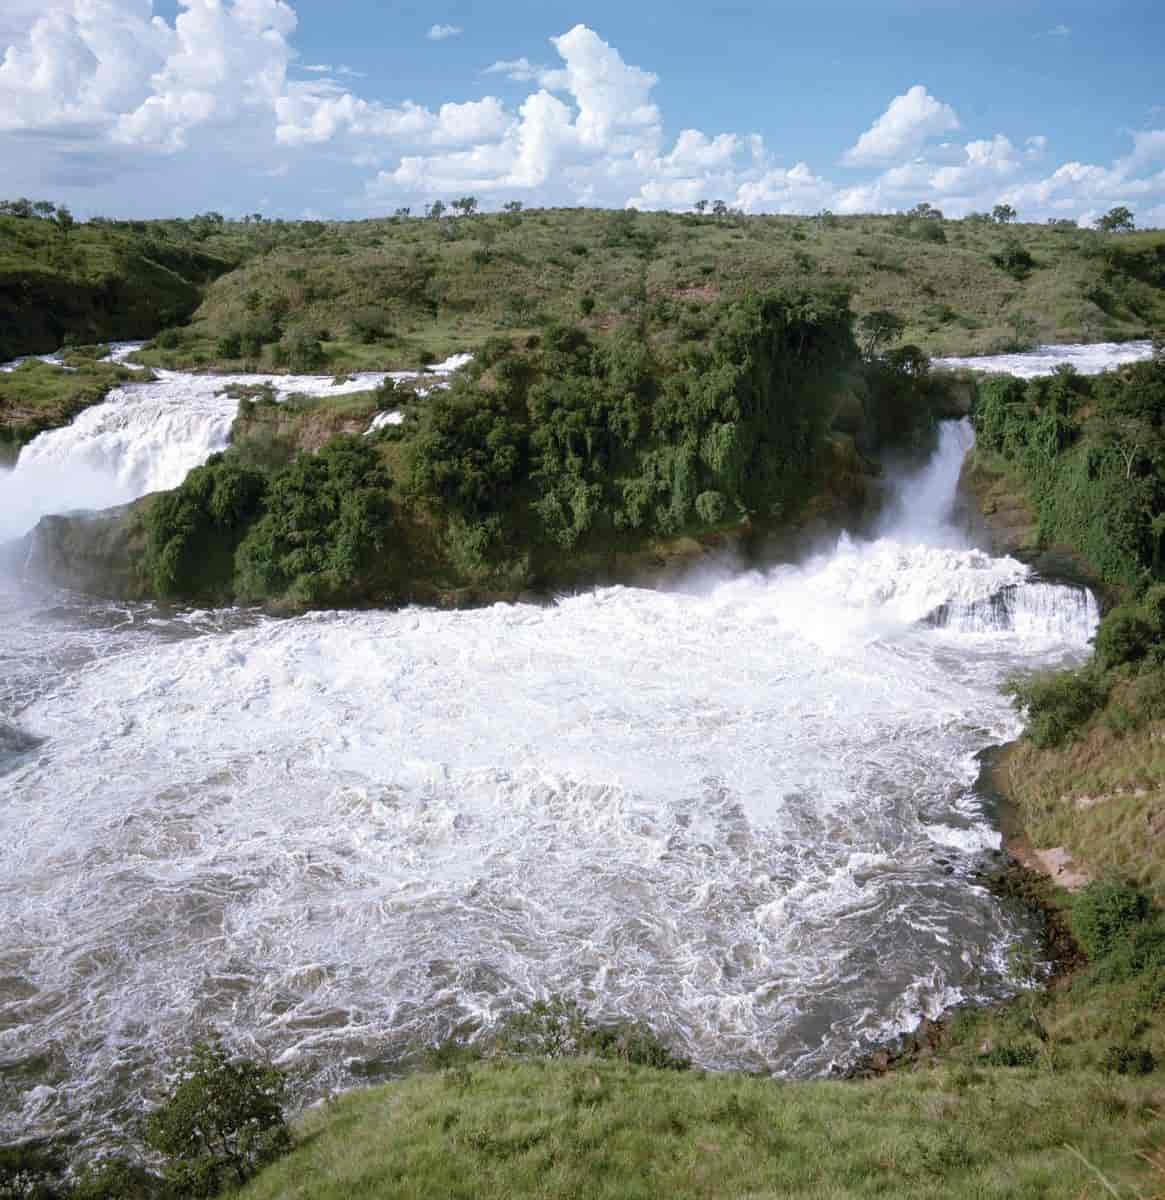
{"points": [[97, 283], [587, 1128], [37, 396]]}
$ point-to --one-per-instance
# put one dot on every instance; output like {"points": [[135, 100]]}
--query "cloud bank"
{"points": [[99, 93]]}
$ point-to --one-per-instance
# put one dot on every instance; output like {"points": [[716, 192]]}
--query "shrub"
{"points": [[210, 509], [710, 507], [302, 350], [32, 1171], [1057, 703], [1141, 952], [560, 1028], [168, 339], [222, 1122], [368, 325], [1124, 636], [230, 345], [1011, 1055], [1123, 1058], [1014, 259], [116, 1180], [1104, 913], [325, 517], [586, 305]]}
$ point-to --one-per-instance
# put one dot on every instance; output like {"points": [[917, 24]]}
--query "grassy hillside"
{"points": [[95, 282], [396, 292], [588, 1128]]}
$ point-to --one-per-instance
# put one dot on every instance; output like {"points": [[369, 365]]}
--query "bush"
{"points": [[560, 1028], [325, 516], [1057, 703], [1124, 636], [168, 339], [710, 507], [230, 345], [192, 531], [116, 1180], [32, 1171], [1124, 1058], [221, 1123], [1015, 260], [1011, 1055], [1104, 913], [1141, 952]]}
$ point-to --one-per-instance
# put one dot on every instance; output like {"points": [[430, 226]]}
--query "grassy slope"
{"points": [[96, 283], [435, 287], [586, 1128], [38, 395], [1101, 797]]}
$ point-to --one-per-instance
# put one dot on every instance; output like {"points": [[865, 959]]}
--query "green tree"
{"points": [[32, 1171], [877, 328], [222, 1122], [465, 205], [925, 212], [1116, 220], [64, 220], [325, 517], [1003, 214], [701, 206]]}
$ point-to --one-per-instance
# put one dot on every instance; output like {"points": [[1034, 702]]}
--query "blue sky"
{"points": [[336, 109]]}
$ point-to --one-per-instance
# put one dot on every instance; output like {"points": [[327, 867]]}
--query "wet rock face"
{"points": [[97, 553]]}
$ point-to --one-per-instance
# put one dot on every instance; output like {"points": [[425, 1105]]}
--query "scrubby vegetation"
{"points": [[394, 292]]}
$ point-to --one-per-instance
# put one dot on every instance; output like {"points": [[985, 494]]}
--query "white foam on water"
{"points": [[1088, 359], [385, 419], [745, 812]]}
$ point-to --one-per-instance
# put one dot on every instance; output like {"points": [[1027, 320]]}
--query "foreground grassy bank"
{"points": [[596, 1129]]}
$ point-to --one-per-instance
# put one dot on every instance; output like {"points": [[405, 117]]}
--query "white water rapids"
{"points": [[744, 811]]}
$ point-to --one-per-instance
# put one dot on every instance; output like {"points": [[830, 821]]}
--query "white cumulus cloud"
{"points": [[902, 129], [438, 33]]}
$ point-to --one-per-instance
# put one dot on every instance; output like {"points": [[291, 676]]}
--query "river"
{"points": [[743, 809]]}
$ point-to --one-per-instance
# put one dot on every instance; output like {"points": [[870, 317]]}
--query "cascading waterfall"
{"points": [[744, 810], [146, 437]]}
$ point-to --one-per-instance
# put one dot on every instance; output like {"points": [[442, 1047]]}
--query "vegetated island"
{"points": [[559, 442]]}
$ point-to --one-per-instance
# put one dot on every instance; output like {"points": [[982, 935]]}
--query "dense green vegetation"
{"points": [[564, 447], [98, 281], [1089, 456]]}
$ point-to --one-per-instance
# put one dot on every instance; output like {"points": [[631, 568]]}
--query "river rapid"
{"points": [[743, 809]]}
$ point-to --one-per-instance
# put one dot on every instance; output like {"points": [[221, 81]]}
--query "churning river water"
{"points": [[744, 809]]}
